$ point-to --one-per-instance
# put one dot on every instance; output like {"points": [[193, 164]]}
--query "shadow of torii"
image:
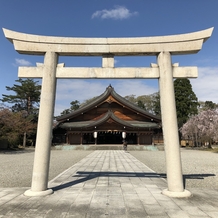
{"points": [[86, 175], [189, 176]]}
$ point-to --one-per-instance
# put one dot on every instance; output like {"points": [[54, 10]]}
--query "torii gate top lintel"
{"points": [[188, 43]]}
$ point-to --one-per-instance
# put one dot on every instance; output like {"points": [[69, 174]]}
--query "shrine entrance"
{"points": [[109, 138], [163, 47]]}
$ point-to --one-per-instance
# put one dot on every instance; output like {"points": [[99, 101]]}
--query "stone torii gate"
{"points": [[161, 46]]}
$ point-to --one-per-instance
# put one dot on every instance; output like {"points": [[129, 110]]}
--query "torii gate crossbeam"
{"points": [[161, 46]]}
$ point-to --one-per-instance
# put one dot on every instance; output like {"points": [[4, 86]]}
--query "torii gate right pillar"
{"points": [[170, 128]]}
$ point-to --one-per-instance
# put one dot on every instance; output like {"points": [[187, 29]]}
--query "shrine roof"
{"points": [[107, 116], [98, 100]]}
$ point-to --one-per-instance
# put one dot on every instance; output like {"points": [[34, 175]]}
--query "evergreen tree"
{"points": [[74, 106], [186, 100], [141, 104], [210, 105], [156, 103], [26, 97]]}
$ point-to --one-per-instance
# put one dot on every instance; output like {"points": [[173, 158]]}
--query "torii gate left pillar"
{"points": [[45, 123], [162, 47]]}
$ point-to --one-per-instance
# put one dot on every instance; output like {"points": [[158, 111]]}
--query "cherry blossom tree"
{"points": [[202, 129]]}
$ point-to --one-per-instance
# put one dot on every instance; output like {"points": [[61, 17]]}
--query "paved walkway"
{"points": [[108, 184]]}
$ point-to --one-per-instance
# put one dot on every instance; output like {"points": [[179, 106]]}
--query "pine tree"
{"points": [[74, 106], [26, 97]]}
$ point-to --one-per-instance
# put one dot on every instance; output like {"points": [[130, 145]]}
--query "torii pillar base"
{"points": [[184, 194], [31, 193]]}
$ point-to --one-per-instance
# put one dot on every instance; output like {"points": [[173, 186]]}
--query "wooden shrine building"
{"points": [[108, 119]]}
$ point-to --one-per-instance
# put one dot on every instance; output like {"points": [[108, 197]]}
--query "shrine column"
{"points": [[170, 128], [81, 138], [138, 134], [44, 134]]}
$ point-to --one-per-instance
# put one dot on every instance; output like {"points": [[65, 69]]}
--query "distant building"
{"points": [[108, 119]]}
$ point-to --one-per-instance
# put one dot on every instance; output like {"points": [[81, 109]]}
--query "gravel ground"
{"points": [[16, 168], [200, 168]]}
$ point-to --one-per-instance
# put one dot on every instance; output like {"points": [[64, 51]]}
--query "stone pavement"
{"points": [[108, 184]]}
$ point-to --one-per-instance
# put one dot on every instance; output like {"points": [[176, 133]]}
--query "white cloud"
{"points": [[78, 90], [22, 62], [206, 85], [134, 87], [118, 13]]}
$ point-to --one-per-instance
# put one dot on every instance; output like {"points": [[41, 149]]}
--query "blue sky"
{"points": [[110, 18]]}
